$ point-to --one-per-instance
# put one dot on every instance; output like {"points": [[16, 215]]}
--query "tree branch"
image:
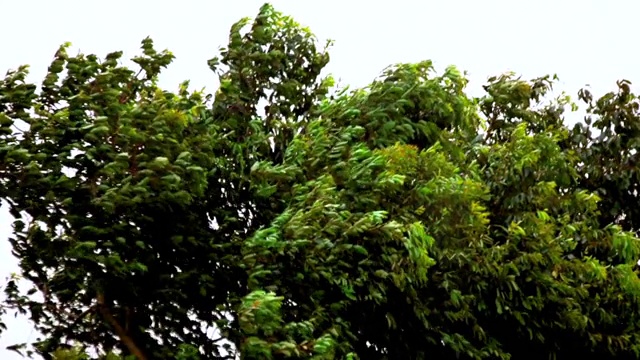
{"points": [[120, 331]]}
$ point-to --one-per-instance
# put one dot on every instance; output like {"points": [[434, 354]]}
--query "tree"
{"points": [[123, 181], [401, 220], [488, 249]]}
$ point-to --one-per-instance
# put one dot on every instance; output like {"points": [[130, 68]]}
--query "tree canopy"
{"points": [[282, 217]]}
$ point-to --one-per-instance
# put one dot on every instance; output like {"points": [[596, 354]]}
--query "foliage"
{"points": [[401, 220]]}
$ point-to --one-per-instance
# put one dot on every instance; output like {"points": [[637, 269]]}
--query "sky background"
{"points": [[584, 42]]}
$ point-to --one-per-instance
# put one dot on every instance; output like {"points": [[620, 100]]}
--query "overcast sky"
{"points": [[584, 42]]}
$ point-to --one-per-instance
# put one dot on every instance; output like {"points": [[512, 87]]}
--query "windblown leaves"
{"points": [[401, 220]]}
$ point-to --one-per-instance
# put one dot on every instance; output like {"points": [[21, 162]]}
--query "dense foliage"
{"points": [[280, 219]]}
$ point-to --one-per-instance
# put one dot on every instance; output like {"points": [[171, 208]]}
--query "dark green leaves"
{"points": [[404, 220]]}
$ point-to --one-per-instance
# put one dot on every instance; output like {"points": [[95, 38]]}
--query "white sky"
{"points": [[584, 42]]}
